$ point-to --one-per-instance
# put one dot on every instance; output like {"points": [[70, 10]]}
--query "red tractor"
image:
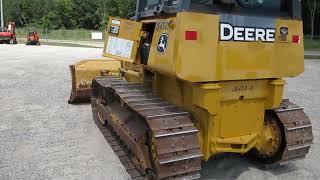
{"points": [[8, 34], [33, 38]]}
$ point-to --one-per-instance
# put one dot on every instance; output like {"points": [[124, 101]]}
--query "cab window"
{"points": [[256, 7], [260, 4]]}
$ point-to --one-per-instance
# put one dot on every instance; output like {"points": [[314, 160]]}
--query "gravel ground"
{"points": [[42, 137]]}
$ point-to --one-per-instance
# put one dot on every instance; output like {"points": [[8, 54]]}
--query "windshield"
{"points": [[257, 7], [260, 4], [152, 2], [270, 8]]}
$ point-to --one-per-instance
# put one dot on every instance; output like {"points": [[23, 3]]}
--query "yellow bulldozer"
{"points": [[197, 78]]}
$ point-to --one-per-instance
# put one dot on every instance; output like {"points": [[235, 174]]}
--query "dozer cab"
{"points": [[199, 78]]}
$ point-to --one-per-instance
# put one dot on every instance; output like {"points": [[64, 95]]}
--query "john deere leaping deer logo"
{"points": [[162, 44]]}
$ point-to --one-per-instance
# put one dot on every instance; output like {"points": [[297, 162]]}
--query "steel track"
{"points": [[140, 118], [119, 149], [173, 149], [297, 131]]}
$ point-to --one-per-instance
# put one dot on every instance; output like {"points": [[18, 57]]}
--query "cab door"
{"points": [[122, 39]]}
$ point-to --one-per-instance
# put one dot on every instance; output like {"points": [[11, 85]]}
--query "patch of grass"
{"points": [[62, 34], [67, 44], [61, 44], [312, 45], [312, 57]]}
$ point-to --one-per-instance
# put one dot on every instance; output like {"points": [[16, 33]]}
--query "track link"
{"points": [[297, 131], [119, 149], [161, 139]]}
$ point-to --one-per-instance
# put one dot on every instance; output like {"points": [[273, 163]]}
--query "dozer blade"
{"points": [[82, 74]]}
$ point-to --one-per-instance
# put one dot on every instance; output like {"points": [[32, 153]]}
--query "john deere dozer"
{"points": [[199, 78]]}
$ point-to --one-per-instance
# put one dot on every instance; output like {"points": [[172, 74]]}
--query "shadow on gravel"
{"points": [[231, 166], [80, 104]]}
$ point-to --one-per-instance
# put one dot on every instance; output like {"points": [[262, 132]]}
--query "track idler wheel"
{"points": [[272, 140], [287, 135]]}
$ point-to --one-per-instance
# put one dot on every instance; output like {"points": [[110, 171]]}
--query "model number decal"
{"points": [[164, 25], [241, 88], [250, 34]]}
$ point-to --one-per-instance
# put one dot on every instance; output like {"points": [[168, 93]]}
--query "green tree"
{"points": [[93, 14], [65, 13], [84, 13], [116, 8], [314, 9]]}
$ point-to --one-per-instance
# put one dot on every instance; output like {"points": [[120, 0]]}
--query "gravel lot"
{"points": [[42, 137]]}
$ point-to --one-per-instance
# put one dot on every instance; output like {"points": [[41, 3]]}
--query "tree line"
{"points": [[312, 10], [93, 14], [65, 14]]}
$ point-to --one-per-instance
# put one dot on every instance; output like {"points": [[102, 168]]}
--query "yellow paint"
{"points": [[227, 86], [128, 30], [87, 70], [229, 114], [229, 118], [208, 59], [164, 62], [269, 139]]}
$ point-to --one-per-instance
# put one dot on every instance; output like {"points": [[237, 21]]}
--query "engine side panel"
{"points": [[207, 57]]}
